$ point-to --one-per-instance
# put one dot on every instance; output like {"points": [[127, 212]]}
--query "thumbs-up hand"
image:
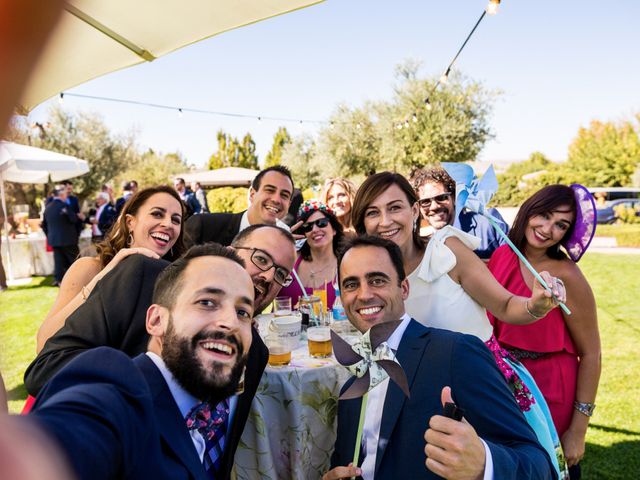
{"points": [[453, 448]]}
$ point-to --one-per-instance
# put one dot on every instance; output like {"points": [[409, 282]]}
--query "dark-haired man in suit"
{"points": [[269, 198], [492, 441], [169, 413], [60, 224]]}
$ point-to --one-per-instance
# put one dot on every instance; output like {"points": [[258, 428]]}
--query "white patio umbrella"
{"points": [[24, 164], [95, 37], [221, 177]]}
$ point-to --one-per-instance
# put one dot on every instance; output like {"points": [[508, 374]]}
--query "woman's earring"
{"points": [[130, 239], [415, 225]]}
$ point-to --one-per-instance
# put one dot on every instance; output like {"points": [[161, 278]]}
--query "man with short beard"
{"points": [[437, 193], [172, 412]]}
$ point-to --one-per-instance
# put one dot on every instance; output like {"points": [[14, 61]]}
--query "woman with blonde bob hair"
{"points": [[338, 194], [151, 224]]}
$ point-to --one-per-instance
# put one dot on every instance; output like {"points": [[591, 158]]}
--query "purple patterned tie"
{"points": [[212, 425]]}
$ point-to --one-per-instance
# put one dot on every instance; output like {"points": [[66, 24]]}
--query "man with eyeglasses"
{"points": [[114, 313], [436, 190]]}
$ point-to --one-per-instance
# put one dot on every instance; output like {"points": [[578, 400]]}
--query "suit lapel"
{"points": [[409, 355], [170, 423]]}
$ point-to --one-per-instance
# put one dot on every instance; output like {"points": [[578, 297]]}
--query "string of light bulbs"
{"points": [[182, 110], [491, 9]]}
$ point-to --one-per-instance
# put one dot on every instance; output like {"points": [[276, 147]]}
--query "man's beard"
{"points": [[180, 357]]}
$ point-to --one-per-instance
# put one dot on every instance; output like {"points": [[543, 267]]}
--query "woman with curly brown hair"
{"points": [[151, 224]]}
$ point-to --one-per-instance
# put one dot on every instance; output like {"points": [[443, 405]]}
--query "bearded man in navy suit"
{"points": [[492, 441], [166, 413]]}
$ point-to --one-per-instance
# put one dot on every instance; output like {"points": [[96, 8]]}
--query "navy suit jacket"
{"points": [[114, 315], [60, 223], [433, 359], [107, 218], [212, 227], [115, 418]]}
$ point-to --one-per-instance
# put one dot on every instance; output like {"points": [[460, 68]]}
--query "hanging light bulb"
{"points": [[427, 104], [331, 125], [179, 113], [444, 78], [492, 7], [358, 125], [61, 98], [415, 118], [399, 126], [259, 120], [406, 123]]}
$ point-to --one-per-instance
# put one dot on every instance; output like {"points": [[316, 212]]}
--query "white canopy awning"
{"points": [[221, 177], [95, 37], [24, 164]]}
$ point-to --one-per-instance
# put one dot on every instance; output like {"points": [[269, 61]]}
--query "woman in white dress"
{"points": [[450, 287]]}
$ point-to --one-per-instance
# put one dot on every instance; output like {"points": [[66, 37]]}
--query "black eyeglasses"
{"points": [[439, 199], [308, 226], [264, 262]]}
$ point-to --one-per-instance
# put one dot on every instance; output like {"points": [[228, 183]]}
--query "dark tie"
{"points": [[212, 425]]}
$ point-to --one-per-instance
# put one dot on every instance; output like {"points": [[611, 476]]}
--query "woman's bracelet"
{"points": [[584, 408], [531, 314]]}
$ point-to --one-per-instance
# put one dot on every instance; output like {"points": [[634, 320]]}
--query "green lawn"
{"points": [[613, 442]]}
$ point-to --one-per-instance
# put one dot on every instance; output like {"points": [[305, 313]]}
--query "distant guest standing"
{"points": [[201, 196], [60, 225], [187, 196]]}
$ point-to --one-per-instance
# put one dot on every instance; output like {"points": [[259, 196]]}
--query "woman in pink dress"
{"points": [[561, 352]]}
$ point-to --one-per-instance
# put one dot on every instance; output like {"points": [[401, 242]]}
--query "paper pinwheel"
{"points": [[474, 194], [371, 360]]}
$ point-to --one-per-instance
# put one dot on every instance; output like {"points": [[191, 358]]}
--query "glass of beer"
{"points": [[279, 350], [319, 338], [282, 306]]}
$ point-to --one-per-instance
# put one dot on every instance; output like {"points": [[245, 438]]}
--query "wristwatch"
{"points": [[584, 408]]}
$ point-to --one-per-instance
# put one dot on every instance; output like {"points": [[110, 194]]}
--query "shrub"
{"points": [[228, 199]]}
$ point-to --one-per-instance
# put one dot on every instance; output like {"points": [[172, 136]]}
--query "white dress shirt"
{"points": [[244, 222], [186, 402], [374, 411], [95, 231]]}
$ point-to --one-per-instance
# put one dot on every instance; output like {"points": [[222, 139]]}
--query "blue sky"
{"points": [[559, 64]]}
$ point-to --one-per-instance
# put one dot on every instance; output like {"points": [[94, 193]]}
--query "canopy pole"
{"points": [[6, 230]]}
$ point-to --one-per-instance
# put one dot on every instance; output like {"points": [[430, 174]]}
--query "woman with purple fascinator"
{"points": [[561, 352]]}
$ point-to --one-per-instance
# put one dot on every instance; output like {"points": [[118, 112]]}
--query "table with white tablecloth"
{"points": [[29, 254], [291, 429]]}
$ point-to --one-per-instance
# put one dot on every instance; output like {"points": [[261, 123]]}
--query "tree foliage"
{"points": [[153, 168], [234, 153], [228, 199], [605, 154], [301, 159], [280, 140], [83, 135], [401, 134]]}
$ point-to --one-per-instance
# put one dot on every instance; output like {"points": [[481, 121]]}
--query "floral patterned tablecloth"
{"points": [[291, 428]]}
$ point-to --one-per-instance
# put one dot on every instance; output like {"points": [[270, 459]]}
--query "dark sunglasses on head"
{"points": [[308, 226], [439, 199]]}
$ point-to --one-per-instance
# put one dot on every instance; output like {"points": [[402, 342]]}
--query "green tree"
{"points": [[152, 168], [232, 153], [604, 155], [83, 135], [403, 133], [514, 188], [228, 199], [280, 140], [301, 159]]}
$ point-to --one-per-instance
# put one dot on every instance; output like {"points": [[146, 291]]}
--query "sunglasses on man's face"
{"points": [[439, 199], [308, 226]]}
